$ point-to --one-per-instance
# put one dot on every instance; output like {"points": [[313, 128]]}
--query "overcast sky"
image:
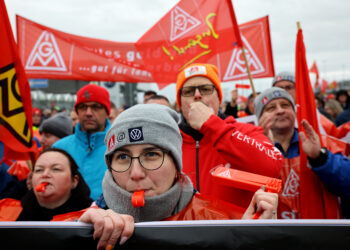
{"points": [[325, 25]]}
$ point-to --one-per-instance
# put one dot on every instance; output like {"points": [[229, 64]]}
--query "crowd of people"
{"points": [[113, 167]]}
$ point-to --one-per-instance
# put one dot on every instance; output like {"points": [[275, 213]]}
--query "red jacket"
{"points": [[206, 208], [232, 144], [10, 209], [200, 207]]}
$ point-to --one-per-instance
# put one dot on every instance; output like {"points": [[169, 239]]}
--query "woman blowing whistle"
{"points": [[58, 188], [144, 157]]}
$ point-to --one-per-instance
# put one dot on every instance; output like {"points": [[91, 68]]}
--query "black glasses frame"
{"points": [[193, 88], [138, 157]]}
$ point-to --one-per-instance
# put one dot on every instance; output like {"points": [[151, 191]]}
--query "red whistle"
{"points": [[41, 187], [138, 199]]}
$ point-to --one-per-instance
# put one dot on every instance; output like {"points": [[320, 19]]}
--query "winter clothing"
{"points": [[87, 150], [203, 207], [132, 127], [267, 96], [59, 125], [156, 207], [227, 143], [93, 93], [159, 126], [178, 202], [343, 117], [332, 173], [231, 110], [198, 69], [36, 111], [10, 186], [200, 207], [344, 92], [28, 209], [283, 76]]}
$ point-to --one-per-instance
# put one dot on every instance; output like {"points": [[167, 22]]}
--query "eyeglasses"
{"points": [[94, 107], [287, 88], [150, 160], [203, 89]]}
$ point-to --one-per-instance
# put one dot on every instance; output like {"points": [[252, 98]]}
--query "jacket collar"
{"points": [[96, 138]]}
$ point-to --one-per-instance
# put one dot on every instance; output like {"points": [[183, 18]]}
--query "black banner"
{"points": [[281, 234]]}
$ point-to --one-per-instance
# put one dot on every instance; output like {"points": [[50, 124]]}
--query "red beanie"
{"points": [[36, 111], [93, 93]]}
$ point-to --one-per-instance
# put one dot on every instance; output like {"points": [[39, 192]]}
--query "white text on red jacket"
{"points": [[266, 146]]}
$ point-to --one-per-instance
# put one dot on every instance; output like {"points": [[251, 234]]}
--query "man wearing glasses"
{"points": [[86, 145], [211, 140]]}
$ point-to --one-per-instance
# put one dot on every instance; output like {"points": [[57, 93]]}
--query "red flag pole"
{"points": [[240, 44]]}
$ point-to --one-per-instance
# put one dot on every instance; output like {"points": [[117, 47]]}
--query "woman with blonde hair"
{"points": [[334, 108]]}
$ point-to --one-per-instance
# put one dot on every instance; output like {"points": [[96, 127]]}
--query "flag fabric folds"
{"points": [[314, 69], [324, 85], [192, 31], [316, 202], [53, 54], [15, 101]]}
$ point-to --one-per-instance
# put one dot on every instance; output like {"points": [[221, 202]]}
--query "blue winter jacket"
{"points": [[88, 151]]}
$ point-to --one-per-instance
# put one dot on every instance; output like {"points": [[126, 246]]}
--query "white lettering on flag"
{"points": [[236, 68], [46, 55], [181, 23]]}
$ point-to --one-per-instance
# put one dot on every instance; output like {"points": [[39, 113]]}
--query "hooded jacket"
{"points": [[87, 150]]}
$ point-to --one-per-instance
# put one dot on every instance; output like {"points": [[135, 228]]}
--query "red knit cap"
{"points": [[93, 93], [36, 111], [198, 69]]}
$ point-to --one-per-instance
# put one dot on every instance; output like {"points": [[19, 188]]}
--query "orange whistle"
{"points": [[41, 187], [138, 199], [245, 180]]}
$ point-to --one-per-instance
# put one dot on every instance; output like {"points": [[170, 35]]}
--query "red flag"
{"points": [[333, 85], [192, 31], [15, 102], [324, 85], [242, 86], [315, 201], [53, 54], [314, 69], [257, 43]]}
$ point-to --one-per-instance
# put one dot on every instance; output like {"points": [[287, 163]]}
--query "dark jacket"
{"points": [[32, 211]]}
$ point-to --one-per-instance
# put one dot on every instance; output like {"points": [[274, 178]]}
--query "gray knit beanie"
{"points": [[267, 96], [146, 124], [283, 76], [59, 125]]}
